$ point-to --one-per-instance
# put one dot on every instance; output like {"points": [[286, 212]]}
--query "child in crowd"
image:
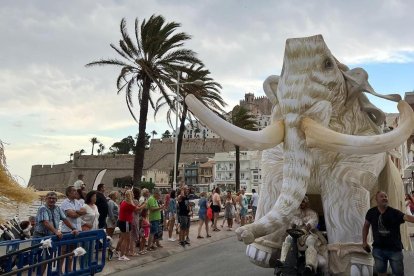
{"points": [[144, 231]]}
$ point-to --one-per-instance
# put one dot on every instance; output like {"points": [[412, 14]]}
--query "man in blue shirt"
{"points": [[48, 217]]}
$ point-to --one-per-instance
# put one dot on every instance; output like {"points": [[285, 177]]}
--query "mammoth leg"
{"points": [[346, 194]]}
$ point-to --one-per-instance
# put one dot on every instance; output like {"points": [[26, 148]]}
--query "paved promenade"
{"points": [[169, 248]]}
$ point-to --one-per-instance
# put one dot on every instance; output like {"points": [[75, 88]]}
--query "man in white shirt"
{"points": [[255, 200], [306, 220], [73, 211]]}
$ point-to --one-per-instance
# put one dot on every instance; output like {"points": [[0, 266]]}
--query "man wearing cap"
{"points": [[306, 220]]}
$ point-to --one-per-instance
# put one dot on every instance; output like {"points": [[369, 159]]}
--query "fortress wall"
{"points": [[160, 156], [50, 177]]}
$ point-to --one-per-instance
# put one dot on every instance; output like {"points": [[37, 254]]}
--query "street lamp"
{"points": [[196, 82]]}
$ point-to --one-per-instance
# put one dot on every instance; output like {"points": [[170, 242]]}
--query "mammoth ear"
{"points": [[357, 82], [374, 113], [270, 88]]}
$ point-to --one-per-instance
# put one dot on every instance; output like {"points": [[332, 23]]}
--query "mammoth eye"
{"points": [[328, 64]]}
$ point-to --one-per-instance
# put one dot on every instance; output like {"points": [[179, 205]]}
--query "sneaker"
{"points": [[123, 258], [182, 244], [172, 239], [187, 242]]}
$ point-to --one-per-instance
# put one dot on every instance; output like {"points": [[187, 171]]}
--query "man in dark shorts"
{"points": [[154, 219], [184, 210], [387, 246]]}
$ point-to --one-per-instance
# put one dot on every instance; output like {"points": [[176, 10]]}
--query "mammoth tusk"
{"points": [[324, 138], [271, 136]]}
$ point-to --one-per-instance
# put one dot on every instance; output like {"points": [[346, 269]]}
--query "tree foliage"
{"points": [[125, 146], [242, 118], [148, 64], [208, 93], [166, 134], [149, 185]]}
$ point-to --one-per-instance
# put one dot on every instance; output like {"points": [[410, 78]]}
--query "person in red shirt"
{"points": [[126, 211]]}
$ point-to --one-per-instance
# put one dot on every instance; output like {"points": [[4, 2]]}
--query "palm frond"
{"points": [[130, 45], [104, 62]]}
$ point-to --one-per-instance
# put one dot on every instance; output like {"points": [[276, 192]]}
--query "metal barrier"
{"points": [[29, 256]]}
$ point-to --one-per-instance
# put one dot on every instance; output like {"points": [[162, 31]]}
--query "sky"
{"points": [[52, 105]]}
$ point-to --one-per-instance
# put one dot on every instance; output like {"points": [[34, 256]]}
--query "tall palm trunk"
{"points": [[237, 169], [140, 145], [181, 134], [93, 145]]}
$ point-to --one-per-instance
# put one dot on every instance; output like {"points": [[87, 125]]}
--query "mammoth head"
{"points": [[313, 86]]}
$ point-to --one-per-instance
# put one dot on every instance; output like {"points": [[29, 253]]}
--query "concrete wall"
{"points": [[160, 156]]}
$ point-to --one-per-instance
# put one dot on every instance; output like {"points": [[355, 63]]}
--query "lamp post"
{"points": [[177, 95]]}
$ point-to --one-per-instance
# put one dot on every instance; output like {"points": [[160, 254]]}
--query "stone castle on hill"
{"points": [[256, 105], [159, 157]]}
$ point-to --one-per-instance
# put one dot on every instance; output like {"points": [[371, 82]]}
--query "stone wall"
{"points": [[160, 156], [48, 177]]}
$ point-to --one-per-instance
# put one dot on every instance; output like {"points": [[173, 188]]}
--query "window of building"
{"points": [[242, 175]]}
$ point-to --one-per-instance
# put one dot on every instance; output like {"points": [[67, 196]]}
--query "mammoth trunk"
{"points": [[296, 176]]}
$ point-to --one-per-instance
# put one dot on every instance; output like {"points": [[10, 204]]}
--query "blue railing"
{"points": [[28, 255]]}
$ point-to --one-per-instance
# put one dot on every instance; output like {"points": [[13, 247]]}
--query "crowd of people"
{"points": [[140, 216]]}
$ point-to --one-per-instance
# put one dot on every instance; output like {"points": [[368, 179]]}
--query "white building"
{"points": [[262, 121], [250, 170], [197, 130]]}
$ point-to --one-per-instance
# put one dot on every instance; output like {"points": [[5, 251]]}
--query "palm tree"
{"points": [[153, 133], [148, 64], [101, 148], [241, 117], [94, 141], [208, 94], [166, 134]]}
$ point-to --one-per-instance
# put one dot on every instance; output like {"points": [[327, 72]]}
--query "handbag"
{"points": [[210, 213]]}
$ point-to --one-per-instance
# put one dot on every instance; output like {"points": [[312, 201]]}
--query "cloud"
{"points": [[48, 97]]}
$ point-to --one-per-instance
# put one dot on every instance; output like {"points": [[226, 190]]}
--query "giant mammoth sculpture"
{"points": [[324, 139]]}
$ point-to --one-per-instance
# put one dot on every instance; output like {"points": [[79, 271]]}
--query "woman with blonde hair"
{"points": [[126, 215]]}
